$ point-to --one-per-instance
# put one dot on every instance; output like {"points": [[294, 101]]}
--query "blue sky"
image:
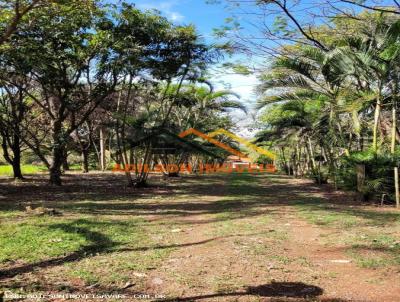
{"points": [[204, 16]]}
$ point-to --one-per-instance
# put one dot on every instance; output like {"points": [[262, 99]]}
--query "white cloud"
{"points": [[175, 16], [166, 7], [244, 86]]}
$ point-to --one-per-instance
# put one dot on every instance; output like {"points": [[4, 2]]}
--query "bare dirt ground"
{"points": [[231, 238], [230, 268]]}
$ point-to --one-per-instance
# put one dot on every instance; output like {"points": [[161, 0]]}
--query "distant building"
{"points": [[236, 161]]}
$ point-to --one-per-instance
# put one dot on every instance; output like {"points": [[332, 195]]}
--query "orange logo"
{"points": [[209, 137], [211, 140], [239, 164]]}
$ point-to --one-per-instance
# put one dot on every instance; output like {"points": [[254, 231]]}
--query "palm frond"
{"points": [[289, 81], [298, 66]]}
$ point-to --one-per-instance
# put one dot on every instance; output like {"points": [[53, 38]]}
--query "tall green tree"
{"points": [[63, 57]]}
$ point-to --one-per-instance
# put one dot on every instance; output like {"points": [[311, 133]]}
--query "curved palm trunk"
{"points": [[393, 149], [396, 169], [376, 124]]}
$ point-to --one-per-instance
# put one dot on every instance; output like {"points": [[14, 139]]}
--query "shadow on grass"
{"points": [[246, 194], [99, 244], [238, 208], [238, 195], [275, 289], [375, 218]]}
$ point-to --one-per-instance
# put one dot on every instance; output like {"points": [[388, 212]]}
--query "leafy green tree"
{"points": [[172, 56], [13, 12], [63, 57], [13, 108]]}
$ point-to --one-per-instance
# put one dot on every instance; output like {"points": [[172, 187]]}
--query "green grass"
{"points": [[372, 250], [87, 276], [239, 212], [107, 251], [323, 214], [366, 234], [283, 259], [6, 170], [224, 284], [37, 239], [369, 262], [319, 212]]}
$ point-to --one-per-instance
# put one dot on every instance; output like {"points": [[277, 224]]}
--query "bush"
{"points": [[379, 178], [264, 160]]}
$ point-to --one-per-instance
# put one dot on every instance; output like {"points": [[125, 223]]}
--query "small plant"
{"points": [[378, 178]]}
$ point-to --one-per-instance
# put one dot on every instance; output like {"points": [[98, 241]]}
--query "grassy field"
{"points": [[217, 237], [371, 238], [6, 170]]}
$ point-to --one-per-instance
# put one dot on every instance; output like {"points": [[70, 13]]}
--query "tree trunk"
{"points": [[85, 160], [285, 163], [311, 154], [393, 150], [55, 167], [16, 161], [332, 166], [16, 165], [360, 169], [376, 125], [57, 152], [396, 186], [142, 183], [102, 150], [65, 164], [120, 136]]}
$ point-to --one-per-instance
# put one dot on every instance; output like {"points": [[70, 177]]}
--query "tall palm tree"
{"points": [[200, 107], [373, 61], [370, 62]]}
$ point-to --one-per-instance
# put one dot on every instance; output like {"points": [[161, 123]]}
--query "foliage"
{"points": [[85, 72], [378, 173], [327, 109]]}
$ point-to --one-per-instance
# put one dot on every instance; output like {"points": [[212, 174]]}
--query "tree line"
{"points": [[329, 105], [329, 87], [109, 82]]}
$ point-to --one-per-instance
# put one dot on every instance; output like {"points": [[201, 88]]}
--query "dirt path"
{"points": [[265, 257], [208, 238]]}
